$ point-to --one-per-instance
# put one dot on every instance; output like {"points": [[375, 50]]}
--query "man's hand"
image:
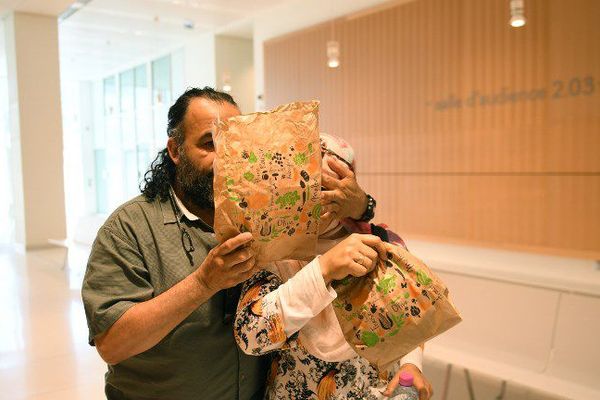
{"points": [[342, 198], [145, 324], [420, 382], [228, 264]]}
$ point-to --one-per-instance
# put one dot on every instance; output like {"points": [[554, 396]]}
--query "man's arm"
{"points": [[145, 324]]}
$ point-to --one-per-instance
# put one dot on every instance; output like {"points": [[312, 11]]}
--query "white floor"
{"points": [[44, 352]]}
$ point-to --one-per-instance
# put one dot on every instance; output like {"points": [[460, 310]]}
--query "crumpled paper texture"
{"points": [[395, 308], [267, 180]]}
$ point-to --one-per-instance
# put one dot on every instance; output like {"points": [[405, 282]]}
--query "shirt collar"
{"points": [[187, 213], [170, 215]]}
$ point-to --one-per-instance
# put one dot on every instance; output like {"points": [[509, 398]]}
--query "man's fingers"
{"points": [[330, 196], [329, 182], [246, 270], [238, 257], [330, 208], [339, 168], [248, 267], [235, 242]]}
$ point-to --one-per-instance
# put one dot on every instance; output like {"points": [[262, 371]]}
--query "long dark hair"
{"points": [[161, 173]]}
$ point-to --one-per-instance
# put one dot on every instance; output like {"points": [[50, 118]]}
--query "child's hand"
{"points": [[419, 382], [356, 255]]}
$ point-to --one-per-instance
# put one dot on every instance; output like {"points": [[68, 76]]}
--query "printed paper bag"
{"points": [[393, 309], [268, 180]]}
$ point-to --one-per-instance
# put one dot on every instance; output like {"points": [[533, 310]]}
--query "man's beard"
{"points": [[197, 186]]}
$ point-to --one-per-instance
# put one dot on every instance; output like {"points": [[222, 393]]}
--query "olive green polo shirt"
{"points": [[136, 256]]}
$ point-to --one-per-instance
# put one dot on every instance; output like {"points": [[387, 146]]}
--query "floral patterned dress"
{"points": [[294, 373]]}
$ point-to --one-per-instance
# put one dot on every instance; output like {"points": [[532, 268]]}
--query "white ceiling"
{"points": [[50, 7], [105, 35]]}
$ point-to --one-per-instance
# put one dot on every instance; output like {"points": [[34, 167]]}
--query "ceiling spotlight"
{"points": [[333, 54], [517, 13]]}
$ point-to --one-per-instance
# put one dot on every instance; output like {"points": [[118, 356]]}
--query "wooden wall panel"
{"points": [[523, 212], [442, 100]]}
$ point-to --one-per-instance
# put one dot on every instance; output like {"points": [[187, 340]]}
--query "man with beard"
{"points": [[160, 292]]}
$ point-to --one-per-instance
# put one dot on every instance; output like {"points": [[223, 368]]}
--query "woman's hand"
{"points": [[419, 382], [356, 255]]}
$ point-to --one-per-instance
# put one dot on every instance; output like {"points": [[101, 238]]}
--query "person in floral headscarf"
{"points": [[286, 309]]}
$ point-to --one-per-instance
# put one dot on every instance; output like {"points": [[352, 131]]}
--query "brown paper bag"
{"points": [[395, 308], [268, 180]]}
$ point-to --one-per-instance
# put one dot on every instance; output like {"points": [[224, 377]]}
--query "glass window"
{"points": [[161, 98], [126, 93], [142, 92], [102, 141], [101, 178], [161, 80], [110, 96], [135, 105], [143, 122]]}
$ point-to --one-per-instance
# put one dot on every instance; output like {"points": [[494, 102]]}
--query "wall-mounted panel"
{"points": [[466, 128]]}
